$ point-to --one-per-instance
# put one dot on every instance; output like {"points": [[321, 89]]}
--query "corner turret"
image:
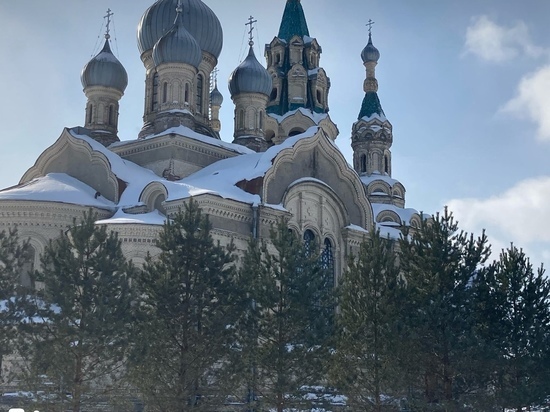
{"points": [[104, 80]]}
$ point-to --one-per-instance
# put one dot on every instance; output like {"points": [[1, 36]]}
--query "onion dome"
{"points": [[105, 70], [370, 53], [216, 98], [250, 77], [177, 46], [198, 19]]}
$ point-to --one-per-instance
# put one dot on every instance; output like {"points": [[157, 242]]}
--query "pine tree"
{"points": [[439, 263], [80, 320], [185, 323], [514, 310], [13, 257], [288, 321], [365, 366]]}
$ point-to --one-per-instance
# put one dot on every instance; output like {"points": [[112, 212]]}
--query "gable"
{"points": [[318, 158]]}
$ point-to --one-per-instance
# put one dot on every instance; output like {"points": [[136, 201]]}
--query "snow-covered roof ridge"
{"points": [[122, 218], [221, 178], [58, 187], [375, 116], [375, 177], [315, 117], [191, 134], [405, 214]]}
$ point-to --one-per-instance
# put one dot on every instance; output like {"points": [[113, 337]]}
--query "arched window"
{"points": [[274, 94], [319, 97], [309, 240], [363, 161], [240, 119], [186, 93], [111, 115], [200, 86], [387, 164], [261, 120], [89, 113], [154, 95], [327, 263], [164, 92]]}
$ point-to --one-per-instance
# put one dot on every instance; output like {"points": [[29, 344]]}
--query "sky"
{"points": [[465, 84]]}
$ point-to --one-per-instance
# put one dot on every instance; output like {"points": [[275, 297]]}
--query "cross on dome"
{"points": [[250, 23], [108, 17], [370, 24]]}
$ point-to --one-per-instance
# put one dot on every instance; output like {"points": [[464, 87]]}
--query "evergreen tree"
{"points": [[439, 263], [289, 318], [514, 314], [13, 257], [79, 329], [365, 366], [185, 322]]}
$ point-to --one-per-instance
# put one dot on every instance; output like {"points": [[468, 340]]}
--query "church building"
{"points": [[282, 161]]}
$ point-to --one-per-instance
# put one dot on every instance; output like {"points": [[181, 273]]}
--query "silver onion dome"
{"points": [[105, 70], [250, 77], [216, 98], [177, 46], [198, 19], [370, 53]]}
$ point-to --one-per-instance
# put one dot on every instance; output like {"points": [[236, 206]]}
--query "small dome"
{"points": [[370, 53], [177, 46], [198, 19], [105, 70], [250, 77], [216, 98]]}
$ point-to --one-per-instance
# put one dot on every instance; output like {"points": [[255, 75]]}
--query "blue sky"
{"points": [[466, 86]]}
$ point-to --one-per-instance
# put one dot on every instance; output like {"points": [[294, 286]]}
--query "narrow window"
{"points": [[319, 97], [90, 113], [111, 116], [274, 94], [387, 165], [309, 239], [154, 96], [261, 120], [164, 92], [327, 263], [186, 93], [200, 86], [363, 163], [240, 120]]}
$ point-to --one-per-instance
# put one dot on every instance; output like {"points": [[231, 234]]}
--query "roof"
{"points": [[371, 105], [294, 21]]}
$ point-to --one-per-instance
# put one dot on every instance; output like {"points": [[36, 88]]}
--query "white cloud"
{"points": [[519, 215], [492, 42], [533, 101]]}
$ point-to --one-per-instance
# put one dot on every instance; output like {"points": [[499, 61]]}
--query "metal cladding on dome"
{"points": [[370, 53], [177, 46], [105, 70], [198, 19], [216, 98], [250, 77]]}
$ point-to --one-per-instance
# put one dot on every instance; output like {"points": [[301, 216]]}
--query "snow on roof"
{"points": [[367, 180], [389, 232], [122, 218], [316, 117], [190, 133], [136, 177], [375, 116], [220, 178], [404, 214], [58, 187]]}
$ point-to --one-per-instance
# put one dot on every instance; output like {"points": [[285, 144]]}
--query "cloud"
{"points": [[532, 101], [494, 43], [519, 215]]}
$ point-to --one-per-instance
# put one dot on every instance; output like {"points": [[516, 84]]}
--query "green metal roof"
{"points": [[371, 105], [294, 21]]}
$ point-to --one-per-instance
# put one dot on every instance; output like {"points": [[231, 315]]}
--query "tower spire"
{"points": [[294, 21]]}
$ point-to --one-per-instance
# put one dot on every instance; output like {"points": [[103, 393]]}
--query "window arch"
{"points": [[200, 87]]}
